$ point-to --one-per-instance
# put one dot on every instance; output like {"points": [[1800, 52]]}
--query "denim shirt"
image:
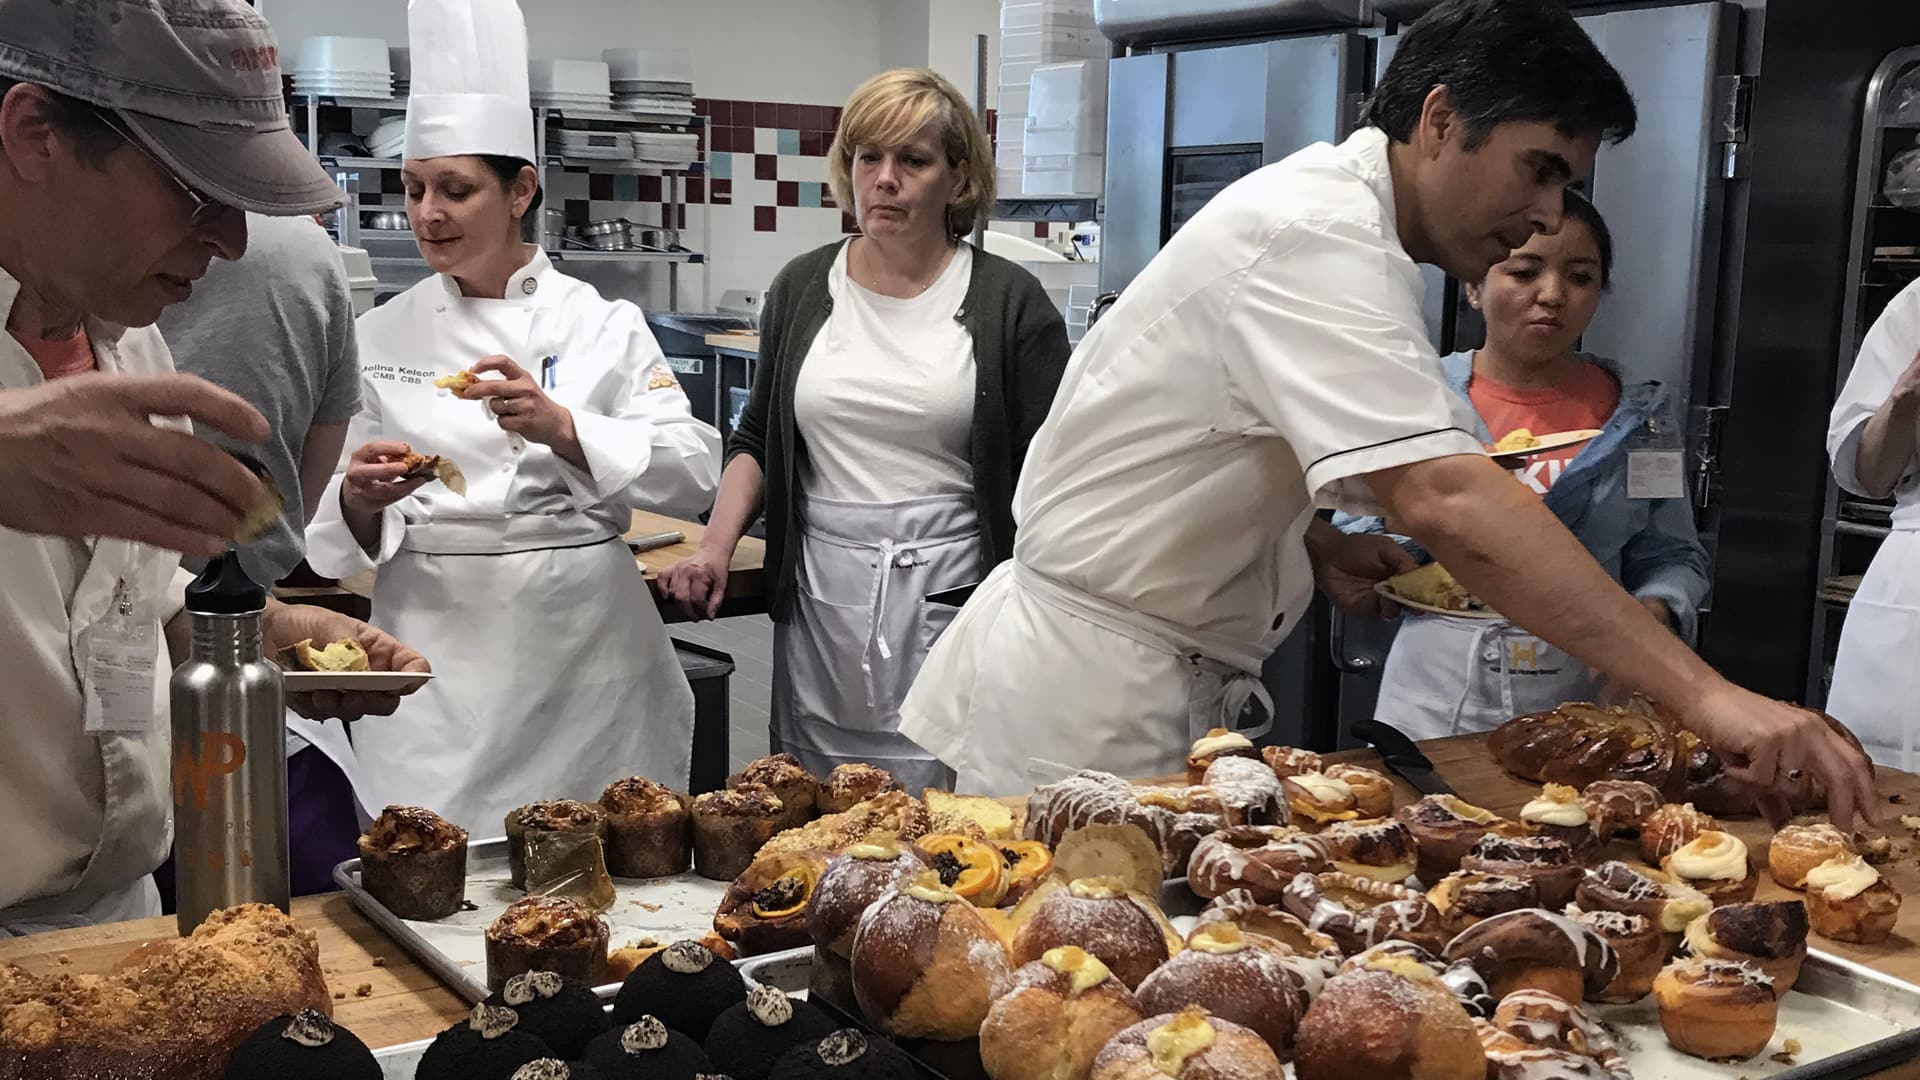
{"points": [[1649, 546]]}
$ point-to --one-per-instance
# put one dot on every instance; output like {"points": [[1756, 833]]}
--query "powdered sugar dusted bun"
{"points": [[850, 884], [1052, 1017], [1187, 1045], [1358, 912], [1248, 789], [924, 963], [1391, 1020], [1214, 745], [1126, 931], [1258, 859], [1234, 976]]}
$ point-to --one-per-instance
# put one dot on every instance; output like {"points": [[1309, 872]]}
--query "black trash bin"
{"points": [[708, 672]]}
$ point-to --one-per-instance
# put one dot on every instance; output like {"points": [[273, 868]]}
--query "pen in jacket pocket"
{"points": [[547, 364]]}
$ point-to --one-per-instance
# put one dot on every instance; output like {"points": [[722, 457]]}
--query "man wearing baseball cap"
{"points": [[134, 134]]}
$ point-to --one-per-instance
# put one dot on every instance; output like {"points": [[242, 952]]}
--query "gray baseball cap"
{"points": [[198, 81]]}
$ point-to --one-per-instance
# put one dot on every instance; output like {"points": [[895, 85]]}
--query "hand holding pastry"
{"points": [[1770, 743], [519, 405], [1848, 900]]}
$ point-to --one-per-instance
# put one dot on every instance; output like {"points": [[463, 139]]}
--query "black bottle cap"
{"points": [[224, 588]]}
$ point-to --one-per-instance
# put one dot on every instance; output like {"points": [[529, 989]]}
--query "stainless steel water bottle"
{"points": [[229, 753]]}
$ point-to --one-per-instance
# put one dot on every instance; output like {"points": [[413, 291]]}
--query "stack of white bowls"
{"points": [[570, 84], [389, 138], [652, 82], [348, 67]]}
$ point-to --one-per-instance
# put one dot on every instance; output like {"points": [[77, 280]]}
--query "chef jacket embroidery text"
{"points": [[394, 373]]}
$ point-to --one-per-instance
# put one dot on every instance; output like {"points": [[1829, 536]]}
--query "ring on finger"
{"points": [[500, 406]]}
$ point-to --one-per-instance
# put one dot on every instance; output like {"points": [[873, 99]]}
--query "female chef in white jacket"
{"points": [[1872, 438], [555, 674]]}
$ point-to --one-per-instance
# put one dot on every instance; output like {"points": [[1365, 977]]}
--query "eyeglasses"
{"points": [[205, 208]]}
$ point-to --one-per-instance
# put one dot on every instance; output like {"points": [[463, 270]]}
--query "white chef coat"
{"points": [[1263, 363], [554, 674], [87, 817], [884, 399], [1875, 679]]}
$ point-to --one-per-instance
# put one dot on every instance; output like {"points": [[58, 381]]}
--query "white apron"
{"points": [[860, 625], [1086, 685], [554, 677], [1876, 676], [1453, 676]]}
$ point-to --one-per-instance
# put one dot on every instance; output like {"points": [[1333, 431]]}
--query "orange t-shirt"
{"points": [[59, 358], [1586, 399]]}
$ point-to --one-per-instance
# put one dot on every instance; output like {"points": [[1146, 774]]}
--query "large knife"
{"points": [[1402, 756]]}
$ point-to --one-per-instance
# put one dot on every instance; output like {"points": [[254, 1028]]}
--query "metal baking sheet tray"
{"points": [[455, 949], [784, 970]]}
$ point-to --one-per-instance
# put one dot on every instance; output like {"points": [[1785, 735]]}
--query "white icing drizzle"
{"points": [[1219, 741], [1580, 936]]}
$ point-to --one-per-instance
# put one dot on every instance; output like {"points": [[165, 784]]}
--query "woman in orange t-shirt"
{"points": [[1618, 493]]}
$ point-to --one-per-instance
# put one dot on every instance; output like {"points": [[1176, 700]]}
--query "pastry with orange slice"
{"points": [[973, 868]]}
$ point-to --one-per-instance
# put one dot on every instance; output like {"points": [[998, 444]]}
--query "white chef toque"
{"points": [[469, 92]]}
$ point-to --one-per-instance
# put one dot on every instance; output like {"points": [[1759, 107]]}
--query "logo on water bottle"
{"points": [[220, 754]]}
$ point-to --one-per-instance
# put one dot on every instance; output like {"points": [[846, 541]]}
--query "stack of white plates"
{"points": [[351, 67], [389, 139], [401, 61], [570, 84], [652, 82], [666, 149], [593, 145]]}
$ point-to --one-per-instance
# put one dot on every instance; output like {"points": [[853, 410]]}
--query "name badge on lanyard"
{"points": [[1656, 474], [121, 648]]}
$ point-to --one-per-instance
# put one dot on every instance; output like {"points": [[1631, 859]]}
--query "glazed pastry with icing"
{"points": [[1848, 900], [925, 964], [647, 1050], [1241, 908], [1468, 985], [1216, 744], [546, 933], [1233, 976], [1260, 859], [1288, 761], [1717, 864], [1559, 812], [1187, 1045], [1445, 828], [1382, 849], [561, 1012], [1467, 896], [1620, 807], [1316, 800], [797, 789], [1510, 1057], [1360, 912], [685, 985], [414, 862], [850, 884], [1537, 949], [847, 1054], [1053, 1016], [1770, 937], [1796, 849], [1125, 930], [1669, 904], [1716, 1009], [649, 831], [1555, 1023], [1640, 947], [1391, 1020], [1547, 862], [1175, 819], [849, 785], [1372, 791], [1671, 828], [730, 827], [1248, 789], [749, 1037]]}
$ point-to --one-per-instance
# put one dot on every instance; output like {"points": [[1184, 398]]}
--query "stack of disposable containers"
{"points": [[1066, 139], [1034, 33]]}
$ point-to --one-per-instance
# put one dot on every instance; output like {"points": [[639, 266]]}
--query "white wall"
{"points": [[951, 26]]}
